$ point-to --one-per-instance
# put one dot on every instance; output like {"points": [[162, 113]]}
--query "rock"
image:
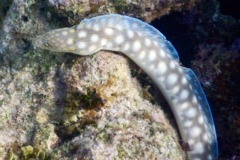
{"points": [[75, 10]]}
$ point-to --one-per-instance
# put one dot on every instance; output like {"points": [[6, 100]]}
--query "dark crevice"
{"points": [[230, 7], [176, 28], [25, 18]]}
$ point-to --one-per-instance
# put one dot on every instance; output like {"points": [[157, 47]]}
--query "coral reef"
{"points": [[66, 106], [74, 10], [221, 80]]}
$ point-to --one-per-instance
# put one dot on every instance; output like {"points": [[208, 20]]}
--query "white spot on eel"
{"points": [[82, 34], [161, 68], [136, 46], [82, 45], [147, 42], [196, 131], [119, 39], [70, 41], [172, 78], [191, 112], [109, 31], [94, 38], [103, 41], [130, 34]]}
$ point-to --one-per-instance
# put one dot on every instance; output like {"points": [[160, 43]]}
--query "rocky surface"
{"points": [[64, 106], [145, 10], [88, 107]]}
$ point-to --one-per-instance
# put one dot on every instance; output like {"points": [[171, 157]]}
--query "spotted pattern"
{"points": [[108, 31], [60, 40], [148, 48], [82, 34]]}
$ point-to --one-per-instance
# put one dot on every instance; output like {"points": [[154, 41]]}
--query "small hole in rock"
{"points": [[25, 18]]}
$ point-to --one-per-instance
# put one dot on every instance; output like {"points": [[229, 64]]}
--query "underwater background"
{"points": [[64, 106]]}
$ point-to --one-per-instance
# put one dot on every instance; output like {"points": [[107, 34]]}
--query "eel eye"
{"points": [[46, 44]]}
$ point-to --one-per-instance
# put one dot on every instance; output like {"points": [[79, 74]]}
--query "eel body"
{"points": [[150, 50]]}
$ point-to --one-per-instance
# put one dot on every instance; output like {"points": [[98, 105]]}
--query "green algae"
{"points": [[28, 152], [80, 111], [90, 100], [121, 152], [104, 136], [46, 62]]}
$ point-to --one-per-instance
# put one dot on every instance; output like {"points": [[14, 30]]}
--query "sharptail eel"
{"points": [[151, 51]]}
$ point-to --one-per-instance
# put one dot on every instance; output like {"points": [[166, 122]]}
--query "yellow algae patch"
{"points": [[42, 116]]}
